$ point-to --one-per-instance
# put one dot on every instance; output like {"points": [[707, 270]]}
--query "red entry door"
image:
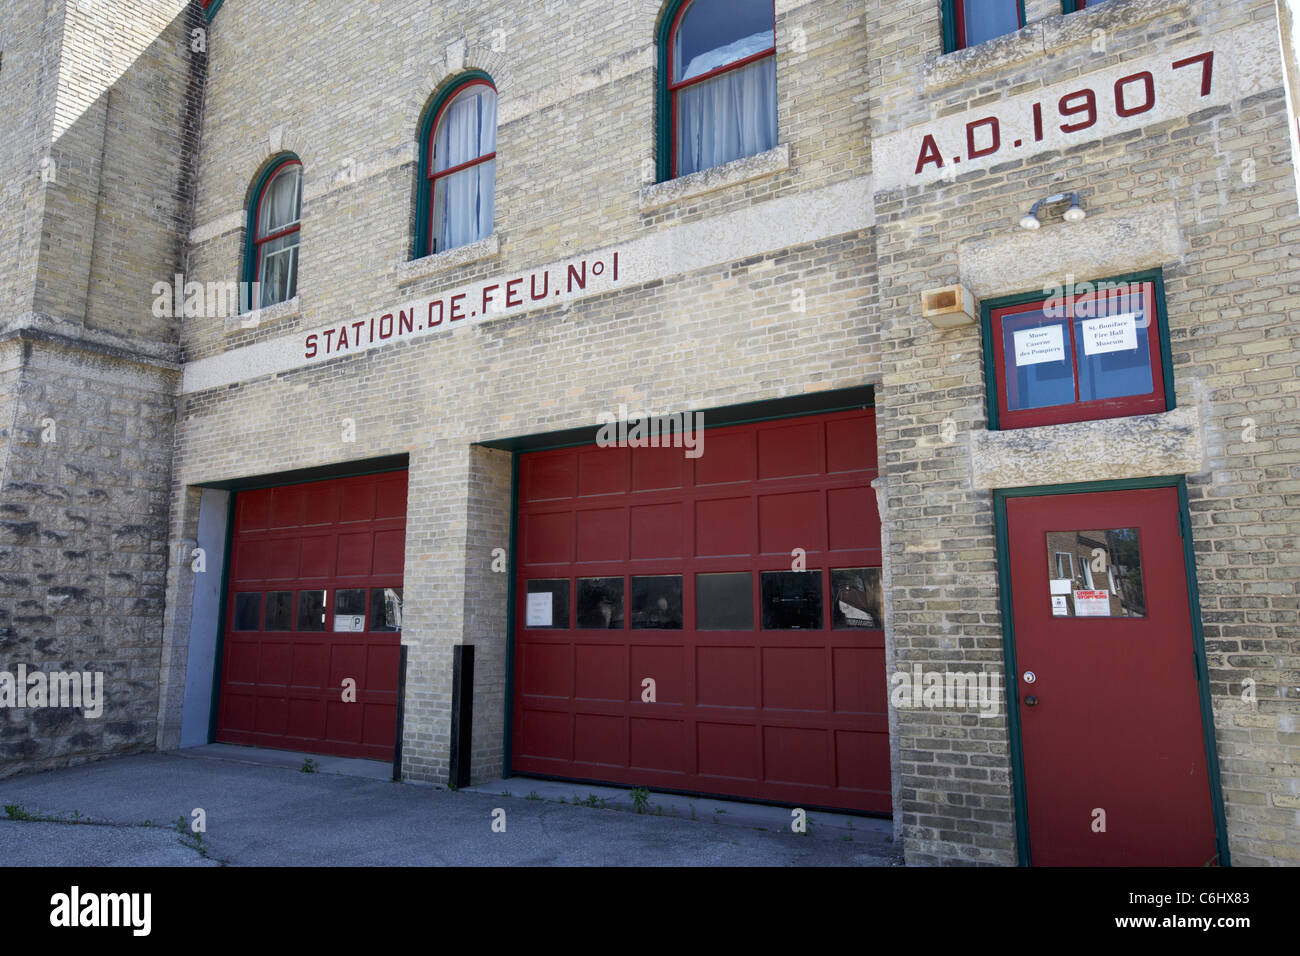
{"points": [[315, 600], [1113, 743]]}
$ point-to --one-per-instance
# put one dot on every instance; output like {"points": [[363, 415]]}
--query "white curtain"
{"points": [[280, 202], [728, 117], [463, 201]]}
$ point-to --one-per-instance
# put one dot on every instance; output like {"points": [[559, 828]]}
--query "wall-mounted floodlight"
{"points": [[1074, 214]]}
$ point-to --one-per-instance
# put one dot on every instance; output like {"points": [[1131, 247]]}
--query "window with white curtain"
{"points": [[722, 83], [279, 211], [462, 167]]}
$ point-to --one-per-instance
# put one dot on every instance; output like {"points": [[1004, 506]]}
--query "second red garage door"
{"points": [[708, 624]]}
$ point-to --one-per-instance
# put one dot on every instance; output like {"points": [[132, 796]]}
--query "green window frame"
{"points": [[423, 187], [269, 169]]}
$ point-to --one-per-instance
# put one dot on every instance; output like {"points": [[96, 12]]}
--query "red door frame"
{"points": [[1000, 497]]}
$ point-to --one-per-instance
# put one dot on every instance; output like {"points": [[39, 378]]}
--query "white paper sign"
{"points": [[539, 609], [1061, 585], [1039, 345], [1091, 604], [1115, 333], [1059, 607], [350, 623]]}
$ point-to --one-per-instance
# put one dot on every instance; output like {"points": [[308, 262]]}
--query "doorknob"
{"points": [[1031, 701]]}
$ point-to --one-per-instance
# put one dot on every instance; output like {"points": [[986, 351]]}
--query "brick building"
{"points": [[863, 405]]}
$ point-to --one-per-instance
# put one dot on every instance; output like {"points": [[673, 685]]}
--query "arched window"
{"points": [[458, 146], [718, 83], [275, 213]]}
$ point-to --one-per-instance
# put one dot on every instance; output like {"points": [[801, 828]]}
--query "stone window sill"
{"points": [[737, 171], [258, 318], [1109, 449], [448, 259], [1043, 37]]}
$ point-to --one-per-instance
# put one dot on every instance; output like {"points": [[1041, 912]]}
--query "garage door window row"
{"points": [[724, 601], [275, 610]]}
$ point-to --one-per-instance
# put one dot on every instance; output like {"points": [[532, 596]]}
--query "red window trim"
{"points": [[675, 86], [259, 240], [433, 135], [1077, 411], [959, 15]]}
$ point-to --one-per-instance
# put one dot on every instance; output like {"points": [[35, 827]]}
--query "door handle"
{"points": [[1031, 701]]}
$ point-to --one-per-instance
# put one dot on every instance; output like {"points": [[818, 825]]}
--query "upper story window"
{"points": [[276, 222], [718, 79], [1071, 5], [1089, 351], [458, 167], [969, 22]]}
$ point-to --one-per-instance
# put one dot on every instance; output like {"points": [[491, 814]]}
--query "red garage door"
{"points": [[668, 635], [315, 600]]}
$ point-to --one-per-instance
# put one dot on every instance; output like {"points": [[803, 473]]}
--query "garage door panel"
{"points": [[850, 446], [600, 671], [600, 739], [654, 469], [794, 715], [390, 552], [355, 554], [602, 534], [390, 497], [603, 471], [282, 558], [287, 506], [797, 755], [548, 538], [792, 520], [344, 722], [382, 664], [859, 675], [320, 504], [728, 751], [272, 715], [725, 676], [655, 744], [794, 678], [729, 456], [546, 733], [854, 519], [785, 451], [664, 665], [547, 670], [547, 477], [310, 664], [276, 664], [253, 511], [282, 687], [380, 726], [656, 532], [724, 526]]}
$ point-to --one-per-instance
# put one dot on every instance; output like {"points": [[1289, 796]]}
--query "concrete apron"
{"points": [[878, 833]]}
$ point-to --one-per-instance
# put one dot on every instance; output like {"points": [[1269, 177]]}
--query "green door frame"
{"points": [[1020, 794]]}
